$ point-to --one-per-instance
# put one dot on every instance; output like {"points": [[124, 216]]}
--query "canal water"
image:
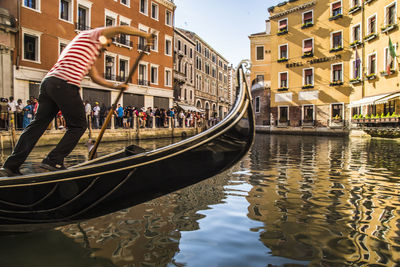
{"points": [[292, 201]]}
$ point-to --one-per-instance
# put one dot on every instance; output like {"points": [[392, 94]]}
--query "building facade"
{"points": [[184, 89], [46, 28], [260, 74], [310, 63], [211, 79]]}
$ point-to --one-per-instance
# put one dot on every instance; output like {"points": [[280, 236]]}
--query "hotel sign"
{"points": [[313, 61]]}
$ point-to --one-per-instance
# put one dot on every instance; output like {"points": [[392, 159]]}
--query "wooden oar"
{"points": [[93, 150]]}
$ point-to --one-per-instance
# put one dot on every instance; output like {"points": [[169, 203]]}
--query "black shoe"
{"points": [[6, 172], [52, 166]]}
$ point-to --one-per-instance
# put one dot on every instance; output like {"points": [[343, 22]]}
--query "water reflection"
{"points": [[327, 201], [293, 201]]}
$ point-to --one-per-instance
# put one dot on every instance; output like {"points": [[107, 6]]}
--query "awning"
{"points": [[388, 98], [367, 100], [187, 107]]}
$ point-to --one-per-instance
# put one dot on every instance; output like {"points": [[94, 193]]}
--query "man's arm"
{"points": [[110, 32], [94, 74]]}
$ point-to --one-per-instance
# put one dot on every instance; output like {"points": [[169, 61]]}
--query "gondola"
{"points": [[127, 177]]}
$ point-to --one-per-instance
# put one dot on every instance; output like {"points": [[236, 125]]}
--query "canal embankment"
{"points": [[52, 137]]}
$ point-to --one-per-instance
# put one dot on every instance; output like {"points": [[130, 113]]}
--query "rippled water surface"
{"points": [[292, 201]]}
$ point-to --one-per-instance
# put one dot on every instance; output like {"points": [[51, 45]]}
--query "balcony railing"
{"points": [[143, 82], [113, 77], [143, 47], [123, 41], [81, 27]]}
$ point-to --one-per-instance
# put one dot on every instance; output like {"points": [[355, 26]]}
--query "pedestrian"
{"points": [[103, 114], [59, 90], [20, 114], [28, 114], [149, 116], [120, 115], [96, 115]]}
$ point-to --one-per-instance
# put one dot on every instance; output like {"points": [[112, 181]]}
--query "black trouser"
{"points": [[55, 94]]}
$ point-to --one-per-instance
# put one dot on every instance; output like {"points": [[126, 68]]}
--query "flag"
{"points": [[391, 55], [357, 66]]}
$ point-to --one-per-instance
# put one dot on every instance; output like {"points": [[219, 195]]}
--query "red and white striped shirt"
{"points": [[77, 57]]}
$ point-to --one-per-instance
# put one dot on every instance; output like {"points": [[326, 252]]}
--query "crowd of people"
{"points": [[96, 114], [124, 116]]}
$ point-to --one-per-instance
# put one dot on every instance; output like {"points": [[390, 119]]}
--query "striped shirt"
{"points": [[77, 57]]}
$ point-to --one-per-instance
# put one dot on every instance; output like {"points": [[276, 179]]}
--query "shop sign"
{"points": [[313, 61]]}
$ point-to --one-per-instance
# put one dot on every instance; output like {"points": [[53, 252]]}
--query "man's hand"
{"points": [[121, 86]]}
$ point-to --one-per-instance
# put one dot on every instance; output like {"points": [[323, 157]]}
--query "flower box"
{"points": [[336, 49], [355, 43], [368, 1], [370, 37], [307, 86], [354, 9], [355, 81], [384, 73], [338, 16], [283, 89], [389, 27], [336, 83], [307, 25], [371, 76], [282, 60], [282, 32], [307, 54]]}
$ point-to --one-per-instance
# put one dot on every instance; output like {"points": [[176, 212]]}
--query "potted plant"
{"points": [[336, 49], [337, 118], [283, 31], [355, 43], [335, 17], [307, 25], [307, 54]]}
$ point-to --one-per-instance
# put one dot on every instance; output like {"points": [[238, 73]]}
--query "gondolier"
{"points": [[59, 90]]}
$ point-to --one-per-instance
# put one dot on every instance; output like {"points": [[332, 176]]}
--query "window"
{"points": [[66, 10], [109, 67], [308, 47], [110, 21], [371, 64], [154, 11], [168, 45], [154, 47], [62, 44], [283, 52], [308, 75], [125, 2], [124, 39], [142, 74], [31, 45], [354, 3], [185, 49], [307, 17], [179, 45], [260, 52], [390, 14], [308, 113], [154, 74], [337, 73], [143, 6], [283, 79], [33, 4], [83, 15], [168, 77], [336, 8], [123, 69], [191, 53], [371, 26], [282, 25], [257, 104], [110, 18], [198, 47], [336, 40], [337, 111], [356, 33], [168, 18], [141, 40]]}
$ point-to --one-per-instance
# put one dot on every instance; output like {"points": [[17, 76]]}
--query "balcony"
{"points": [[180, 77], [143, 47], [143, 82], [123, 41], [81, 27]]}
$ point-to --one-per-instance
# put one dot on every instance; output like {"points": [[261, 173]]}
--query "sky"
{"points": [[224, 24]]}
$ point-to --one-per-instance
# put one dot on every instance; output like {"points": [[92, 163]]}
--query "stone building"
{"points": [[310, 63], [260, 75], [8, 31], [46, 28], [211, 78], [184, 90]]}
